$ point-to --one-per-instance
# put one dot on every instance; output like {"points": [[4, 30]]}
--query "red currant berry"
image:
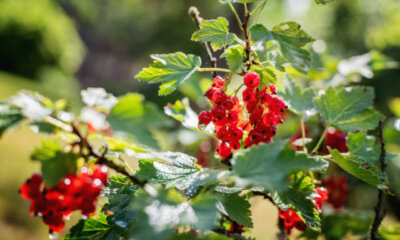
{"points": [[224, 150], [223, 134], [251, 80], [219, 97], [249, 94], [272, 88], [209, 93], [236, 133], [218, 82], [205, 117]]}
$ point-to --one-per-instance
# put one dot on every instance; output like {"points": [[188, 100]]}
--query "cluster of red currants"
{"points": [[338, 190], [231, 124], [335, 139], [74, 192], [292, 220]]}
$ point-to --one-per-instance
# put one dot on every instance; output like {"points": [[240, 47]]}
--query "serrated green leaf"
{"points": [[323, 1], [362, 161], [172, 169], [93, 229], [134, 116], [236, 208], [349, 109], [269, 165], [290, 38], [299, 197], [216, 32], [56, 164], [169, 69], [353, 165], [234, 56], [300, 101], [119, 193], [9, 116]]}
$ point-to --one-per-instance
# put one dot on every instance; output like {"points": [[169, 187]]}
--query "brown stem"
{"points": [[264, 195], [195, 15], [379, 208], [281, 235], [101, 159], [247, 48]]}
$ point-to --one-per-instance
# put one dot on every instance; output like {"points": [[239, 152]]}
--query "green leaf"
{"points": [[349, 109], [216, 32], [234, 56], [9, 116], [290, 38], [299, 197], [267, 75], [134, 116], [236, 208], [269, 165], [323, 1], [339, 225], [119, 193], [300, 101], [169, 69], [160, 211], [169, 168], [205, 208], [56, 164], [362, 160], [93, 229]]}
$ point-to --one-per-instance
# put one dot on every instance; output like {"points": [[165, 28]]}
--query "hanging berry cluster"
{"points": [[232, 124], [292, 220], [74, 192], [338, 190]]}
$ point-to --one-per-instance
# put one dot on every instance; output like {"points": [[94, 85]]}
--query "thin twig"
{"points": [[101, 159], [195, 15], [247, 48], [379, 208], [321, 139], [264, 195]]}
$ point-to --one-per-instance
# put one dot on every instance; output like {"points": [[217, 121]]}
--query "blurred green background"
{"points": [[58, 47]]}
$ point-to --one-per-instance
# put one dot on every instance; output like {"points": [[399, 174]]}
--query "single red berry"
{"points": [[249, 94], [234, 144], [236, 133], [223, 134], [251, 106], [209, 93], [272, 88], [224, 150], [205, 117], [251, 80], [218, 113], [228, 104], [218, 97], [218, 82]]}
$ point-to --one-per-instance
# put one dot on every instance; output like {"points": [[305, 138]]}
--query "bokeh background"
{"points": [[58, 47]]}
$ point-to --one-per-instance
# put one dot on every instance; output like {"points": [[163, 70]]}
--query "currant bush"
{"points": [[244, 148]]}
